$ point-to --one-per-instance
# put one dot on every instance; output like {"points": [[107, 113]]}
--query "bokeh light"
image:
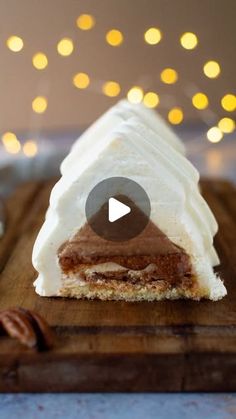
{"points": [[11, 143], [189, 40], [8, 137], [15, 43], [151, 100], [114, 37], [211, 69], [226, 125], [169, 76], [65, 47], [39, 104], [214, 135], [175, 116], [111, 88], [135, 95], [40, 61], [228, 102], [81, 80], [200, 101], [153, 36], [85, 22], [30, 148]]}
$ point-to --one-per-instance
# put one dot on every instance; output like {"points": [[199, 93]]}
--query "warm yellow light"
{"points": [[85, 22], [114, 37], [30, 148], [11, 143], [153, 36], [39, 104], [189, 40], [214, 135], [211, 69], [9, 137], [200, 101], [151, 100], [226, 125], [111, 88], [135, 94], [175, 116], [15, 43], [81, 80], [40, 61], [13, 148], [65, 47], [169, 76], [228, 102]]}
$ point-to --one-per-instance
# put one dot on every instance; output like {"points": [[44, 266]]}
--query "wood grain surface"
{"points": [[118, 346]]}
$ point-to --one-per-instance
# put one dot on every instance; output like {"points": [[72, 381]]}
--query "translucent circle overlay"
{"points": [[129, 193]]}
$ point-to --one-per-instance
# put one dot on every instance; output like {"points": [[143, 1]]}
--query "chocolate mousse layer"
{"points": [[151, 255]]}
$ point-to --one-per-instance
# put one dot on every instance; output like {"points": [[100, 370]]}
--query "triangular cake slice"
{"points": [[172, 257], [163, 150], [122, 111]]}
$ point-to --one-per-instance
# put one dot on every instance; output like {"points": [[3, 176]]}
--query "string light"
{"points": [[189, 40], [200, 101], [9, 137], [169, 76], [39, 104], [30, 148], [114, 37], [85, 22], [135, 95], [111, 88], [40, 61], [214, 135], [13, 148], [81, 80], [211, 69], [151, 100], [15, 43], [11, 143], [175, 116], [153, 36], [226, 125], [228, 102], [65, 47]]}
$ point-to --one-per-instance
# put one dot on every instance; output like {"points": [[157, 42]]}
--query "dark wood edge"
{"points": [[121, 373]]}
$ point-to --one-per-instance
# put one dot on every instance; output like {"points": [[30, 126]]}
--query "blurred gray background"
{"points": [[42, 24]]}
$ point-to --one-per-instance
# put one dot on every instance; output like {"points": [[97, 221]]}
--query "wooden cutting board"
{"points": [[118, 346]]}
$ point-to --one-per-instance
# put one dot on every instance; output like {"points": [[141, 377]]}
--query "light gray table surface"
{"points": [[118, 406], [213, 161]]}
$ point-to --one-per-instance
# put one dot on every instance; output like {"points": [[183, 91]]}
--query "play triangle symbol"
{"points": [[117, 210]]}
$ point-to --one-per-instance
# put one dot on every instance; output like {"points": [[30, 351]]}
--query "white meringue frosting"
{"points": [[133, 142]]}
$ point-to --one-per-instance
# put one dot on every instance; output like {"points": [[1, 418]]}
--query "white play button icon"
{"points": [[117, 210]]}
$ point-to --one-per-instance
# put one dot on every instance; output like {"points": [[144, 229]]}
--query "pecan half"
{"points": [[43, 332], [28, 327], [18, 326]]}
